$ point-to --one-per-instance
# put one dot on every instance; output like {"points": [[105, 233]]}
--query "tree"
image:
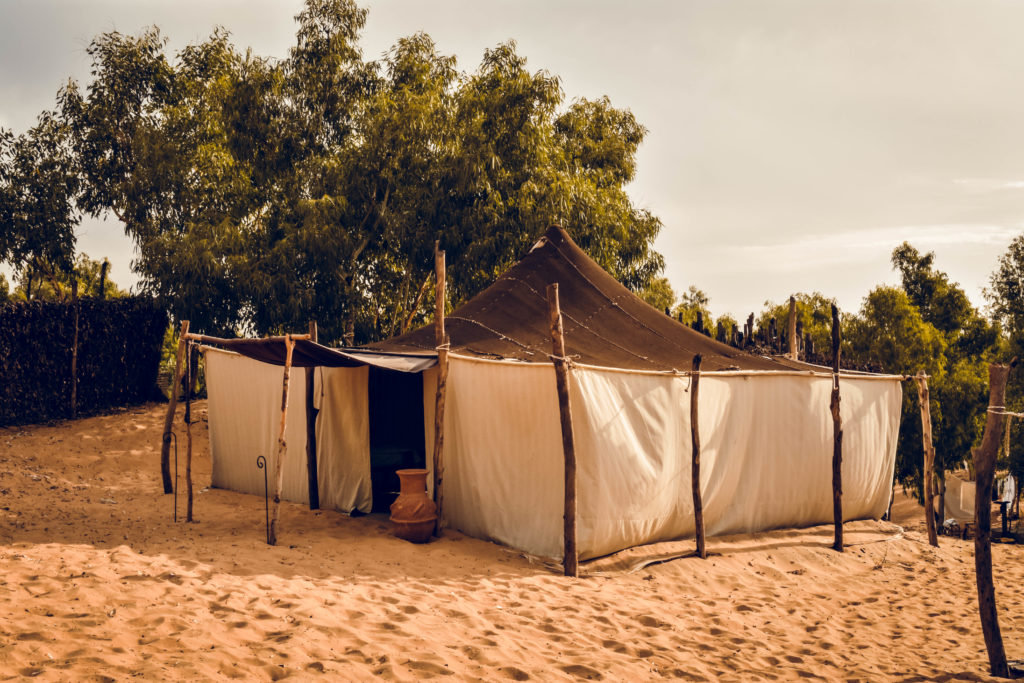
{"points": [[1005, 295], [659, 293], [692, 302], [889, 330], [814, 313], [38, 184], [86, 271], [263, 193]]}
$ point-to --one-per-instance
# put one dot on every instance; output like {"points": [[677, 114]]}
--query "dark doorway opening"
{"points": [[396, 431]]}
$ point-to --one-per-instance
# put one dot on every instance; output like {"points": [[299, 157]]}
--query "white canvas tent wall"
{"points": [[765, 424]]}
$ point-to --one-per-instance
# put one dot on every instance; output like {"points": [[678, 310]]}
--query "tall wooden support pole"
{"points": [[698, 503], [837, 433], [282, 447], [74, 352], [311, 413], [984, 468], [924, 403], [570, 558], [441, 340], [172, 404], [188, 431], [791, 336], [104, 267]]}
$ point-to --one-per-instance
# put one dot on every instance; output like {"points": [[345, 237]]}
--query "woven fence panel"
{"points": [[119, 344]]}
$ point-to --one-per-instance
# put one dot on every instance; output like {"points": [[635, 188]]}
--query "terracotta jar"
{"points": [[413, 514]]}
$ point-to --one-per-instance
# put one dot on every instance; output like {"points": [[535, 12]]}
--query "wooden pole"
{"points": [[698, 504], [282, 447], [924, 403], [103, 279], [984, 468], [441, 340], [74, 351], [837, 433], [172, 404], [188, 431], [311, 413], [792, 335], [570, 557]]}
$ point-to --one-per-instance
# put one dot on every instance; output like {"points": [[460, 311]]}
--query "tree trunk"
{"points": [[698, 504], [570, 555], [929, 458], [984, 467], [282, 447], [172, 404]]}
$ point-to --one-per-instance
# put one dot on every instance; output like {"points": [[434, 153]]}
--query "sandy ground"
{"points": [[97, 582]]}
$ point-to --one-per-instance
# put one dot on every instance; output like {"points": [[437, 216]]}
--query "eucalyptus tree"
{"points": [[38, 215], [261, 193]]}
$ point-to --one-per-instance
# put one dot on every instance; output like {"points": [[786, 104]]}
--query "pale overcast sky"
{"points": [[792, 143]]}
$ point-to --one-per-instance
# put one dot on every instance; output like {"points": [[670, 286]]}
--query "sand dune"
{"points": [[99, 583]]}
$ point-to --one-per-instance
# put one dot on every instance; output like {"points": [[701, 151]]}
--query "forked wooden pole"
{"points": [[924, 403], [441, 340], [698, 504], [837, 434], [172, 404], [984, 468], [311, 413], [282, 447], [570, 557], [188, 431]]}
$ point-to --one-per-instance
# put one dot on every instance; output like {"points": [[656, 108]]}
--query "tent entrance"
{"points": [[397, 439]]}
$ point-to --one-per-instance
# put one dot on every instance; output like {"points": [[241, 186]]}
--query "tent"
{"points": [[765, 424]]}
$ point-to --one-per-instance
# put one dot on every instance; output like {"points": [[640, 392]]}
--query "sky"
{"points": [[791, 144]]}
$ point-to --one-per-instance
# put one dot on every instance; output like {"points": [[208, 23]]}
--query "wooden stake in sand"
{"points": [[837, 433], [188, 431], [924, 403], [570, 557], [792, 336], [441, 339], [282, 447], [172, 404], [698, 504], [311, 413], [984, 468], [74, 352]]}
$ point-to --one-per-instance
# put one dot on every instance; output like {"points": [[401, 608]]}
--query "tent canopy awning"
{"points": [[605, 324], [309, 354]]}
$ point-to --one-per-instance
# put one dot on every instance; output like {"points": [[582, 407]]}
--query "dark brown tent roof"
{"points": [[605, 324]]}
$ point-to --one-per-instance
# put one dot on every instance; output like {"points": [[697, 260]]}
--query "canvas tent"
{"points": [[765, 422]]}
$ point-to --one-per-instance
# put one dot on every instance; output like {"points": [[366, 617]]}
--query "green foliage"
{"points": [[261, 194], [38, 184], [1006, 299], [659, 293], [692, 301], [929, 326], [5, 290], [118, 356], [31, 285], [814, 312]]}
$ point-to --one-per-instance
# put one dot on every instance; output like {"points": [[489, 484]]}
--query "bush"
{"points": [[118, 356]]}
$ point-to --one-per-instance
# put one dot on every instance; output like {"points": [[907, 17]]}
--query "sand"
{"points": [[97, 582]]}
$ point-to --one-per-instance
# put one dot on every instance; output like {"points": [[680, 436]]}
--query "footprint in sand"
{"points": [[582, 671]]}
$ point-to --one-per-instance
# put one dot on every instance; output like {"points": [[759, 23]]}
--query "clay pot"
{"points": [[413, 514]]}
